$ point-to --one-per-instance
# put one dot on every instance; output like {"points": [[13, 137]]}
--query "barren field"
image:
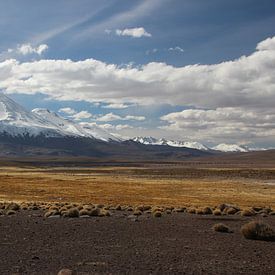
{"points": [[87, 217], [165, 185]]}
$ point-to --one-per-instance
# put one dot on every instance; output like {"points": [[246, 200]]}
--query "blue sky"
{"points": [[176, 68]]}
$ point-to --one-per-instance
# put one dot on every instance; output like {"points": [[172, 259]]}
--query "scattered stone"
{"points": [[66, 271]]}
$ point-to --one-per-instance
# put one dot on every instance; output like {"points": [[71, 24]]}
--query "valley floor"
{"points": [[165, 185], [176, 243]]}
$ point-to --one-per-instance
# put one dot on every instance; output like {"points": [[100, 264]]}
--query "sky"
{"points": [[190, 70]]}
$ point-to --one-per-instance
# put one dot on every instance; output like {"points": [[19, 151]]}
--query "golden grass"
{"points": [[119, 186]]}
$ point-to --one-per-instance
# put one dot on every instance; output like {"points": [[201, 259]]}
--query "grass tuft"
{"points": [[257, 230], [220, 227]]}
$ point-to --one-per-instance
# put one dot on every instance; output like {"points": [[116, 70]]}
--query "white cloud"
{"points": [[109, 117], [134, 32], [246, 84], [118, 127], [221, 123], [113, 117], [129, 117], [116, 106], [23, 50], [247, 81], [67, 110], [26, 49], [177, 49], [81, 115]]}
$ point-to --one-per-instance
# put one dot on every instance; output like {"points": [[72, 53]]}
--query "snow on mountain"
{"points": [[223, 147], [188, 144], [146, 140], [192, 144], [16, 121], [162, 141]]}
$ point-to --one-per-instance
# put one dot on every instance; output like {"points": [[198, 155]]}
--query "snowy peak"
{"points": [[17, 121], [223, 147], [173, 143]]}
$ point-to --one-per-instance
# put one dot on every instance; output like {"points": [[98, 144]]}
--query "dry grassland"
{"points": [[134, 186]]}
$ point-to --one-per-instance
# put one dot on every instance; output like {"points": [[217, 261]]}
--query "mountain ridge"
{"points": [[222, 147]]}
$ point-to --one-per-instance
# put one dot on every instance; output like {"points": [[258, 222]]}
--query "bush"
{"points": [[104, 213], [73, 213], [157, 214], [137, 212], [13, 206], [220, 227], [231, 210], [207, 211], [118, 207], [84, 212], [191, 210], [257, 230], [248, 212], [95, 212], [217, 212], [179, 210], [10, 212]]}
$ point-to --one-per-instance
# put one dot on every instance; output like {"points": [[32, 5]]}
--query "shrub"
{"points": [[84, 212], [95, 212], [137, 212], [257, 208], [207, 211], [104, 213], [191, 210], [248, 212], [180, 209], [13, 206], [199, 211], [73, 213], [156, 209], [157, 214], [51, 213], [257, 230], [10, 212], [118, 208], [231, 210], [217, 212], [48, 214], [220, 227]]}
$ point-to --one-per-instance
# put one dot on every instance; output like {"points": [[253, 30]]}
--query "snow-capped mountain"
{"points": [[223, 147], [16, 121], [193, 145], [173, 143]]}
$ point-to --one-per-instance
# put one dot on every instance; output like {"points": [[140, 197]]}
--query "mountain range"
{"points": [[42, 131], [223, 147]]}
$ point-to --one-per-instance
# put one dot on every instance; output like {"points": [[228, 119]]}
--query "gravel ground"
{"points": [[173, 244]]}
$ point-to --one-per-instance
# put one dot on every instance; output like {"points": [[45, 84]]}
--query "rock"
{"points": [[65, 271]]}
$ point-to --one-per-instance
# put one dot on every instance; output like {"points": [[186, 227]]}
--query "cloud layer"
{"points": [[234, 98], [247, 81]]}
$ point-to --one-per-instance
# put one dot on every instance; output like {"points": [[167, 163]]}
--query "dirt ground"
{"points": [[179, 243]]}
